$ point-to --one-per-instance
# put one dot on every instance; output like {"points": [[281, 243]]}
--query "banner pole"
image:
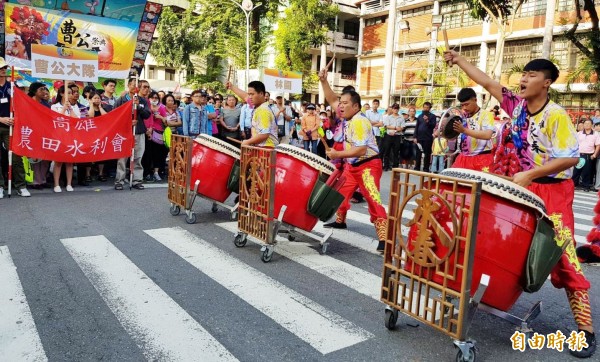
{"points": [[132, 163], [10, 130]]}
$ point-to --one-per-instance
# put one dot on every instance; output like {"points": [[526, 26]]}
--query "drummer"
{"points": [[547, 148], [264, 126], [362, 165], [476, 138]]}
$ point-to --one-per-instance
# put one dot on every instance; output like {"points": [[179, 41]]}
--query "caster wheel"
{"points": [[391, 317], [234, 215], [291, 237], [191, 218], [460, 357], [240, 240], [174, 210], [214, 208], [267, 255]]}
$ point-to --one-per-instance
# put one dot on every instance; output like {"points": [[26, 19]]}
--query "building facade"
{"points": [[416, 67]]}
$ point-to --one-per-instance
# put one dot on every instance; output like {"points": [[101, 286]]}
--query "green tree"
{"points": [[304, 26], [588, 43], [502, 13], [178, 41]]}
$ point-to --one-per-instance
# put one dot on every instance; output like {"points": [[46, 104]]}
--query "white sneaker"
{"points": [[69, 188], [1, 192], [57, 189], [23, 192], [157, 177]]}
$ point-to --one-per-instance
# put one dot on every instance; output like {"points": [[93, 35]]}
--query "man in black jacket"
{"points": [[424, 136], [143, 112]]}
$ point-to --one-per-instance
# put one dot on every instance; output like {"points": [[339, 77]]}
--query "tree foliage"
{"points": [[304, 26], [209, 31], [588, 43]]}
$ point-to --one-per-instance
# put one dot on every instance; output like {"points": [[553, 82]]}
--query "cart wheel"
{"points": [[291, 237], [240, 240], [191, 218], [462, 358], [234, 215], [174, 210], [267, 255], [391, 317], [214, 208]]}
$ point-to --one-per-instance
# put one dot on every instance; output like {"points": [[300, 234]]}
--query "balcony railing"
{"points": [[344, 43]]}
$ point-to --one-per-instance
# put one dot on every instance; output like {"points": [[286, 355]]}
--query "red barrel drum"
{"points": [[507, 220], [212, 161], [296, 173]]}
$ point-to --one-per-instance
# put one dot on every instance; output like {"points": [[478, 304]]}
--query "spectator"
{"points": [[246, 120], [580, 124], [597, 184], [173, 114], [156, 152], [64, 106], [408, 148], [97, 109], [589, 147], [375, 118], [195, 119], [596, 117], [438, 155], [161, 96], [214, 122], [39, 92], [424, 136], [392, 139], [143, 112], [309, 129], [108, 97], [283, 116], [230, 120]]}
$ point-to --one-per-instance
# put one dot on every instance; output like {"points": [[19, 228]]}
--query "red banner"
{"points": [[42, 133]]}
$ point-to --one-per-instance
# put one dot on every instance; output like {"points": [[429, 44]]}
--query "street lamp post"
{"points": [[247, 7]]}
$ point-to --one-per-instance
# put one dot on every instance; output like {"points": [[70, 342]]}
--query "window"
{"points": [[351, 30], [518, 52], [349, 66], [565, 54], [471, 53], [578, 100], [373, 5], [457, 15], [417, 11], [533, 8], [375, 21], [151, 72], [169, 74]]}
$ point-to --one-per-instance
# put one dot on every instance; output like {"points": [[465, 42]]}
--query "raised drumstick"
{"points": [[445, 34]]}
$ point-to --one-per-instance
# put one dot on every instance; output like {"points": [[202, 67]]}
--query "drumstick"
{"points": [[229, 74], [324, 140], [234, 140], [330, 62], [445, 34]]}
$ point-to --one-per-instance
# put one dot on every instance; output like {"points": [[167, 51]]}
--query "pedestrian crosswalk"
{"points": [[162, 325]]}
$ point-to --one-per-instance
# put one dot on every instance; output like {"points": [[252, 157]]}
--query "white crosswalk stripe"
{"points": [[19, 339], [160, 327], [324, 330]]}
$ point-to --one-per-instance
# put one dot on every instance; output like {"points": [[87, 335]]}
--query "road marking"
{"points": [[322, 329], [19, 338], [346, 274], [160, 327], [582, 202]]}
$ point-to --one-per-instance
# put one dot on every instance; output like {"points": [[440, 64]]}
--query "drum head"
{"points": [[448, 131]]}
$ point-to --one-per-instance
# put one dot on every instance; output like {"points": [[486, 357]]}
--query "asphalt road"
{"points": [[112, 276]]}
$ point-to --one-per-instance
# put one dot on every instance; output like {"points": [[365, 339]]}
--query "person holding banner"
{"points": [[63, 106], [39, 93], [6, 123], [142, 111]]}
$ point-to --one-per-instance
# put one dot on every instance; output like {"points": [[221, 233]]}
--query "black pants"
{"points": [[390, 151], [379, 140], [427, 146], [155, 156], [586, 173]]}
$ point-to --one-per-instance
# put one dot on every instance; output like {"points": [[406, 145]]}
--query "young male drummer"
{"points": [[264, 126], [547, 150], [475, 139], [362, 165]]}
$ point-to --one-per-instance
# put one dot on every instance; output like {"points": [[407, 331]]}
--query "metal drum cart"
{"points": [[204, 167], [437, 273]]}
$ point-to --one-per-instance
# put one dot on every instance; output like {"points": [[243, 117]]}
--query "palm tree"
{"points": [[585, 72]]}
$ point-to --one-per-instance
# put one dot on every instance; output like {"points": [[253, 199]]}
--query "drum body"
{"points": [[212, 162], [505, 230], [296, 174]]}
